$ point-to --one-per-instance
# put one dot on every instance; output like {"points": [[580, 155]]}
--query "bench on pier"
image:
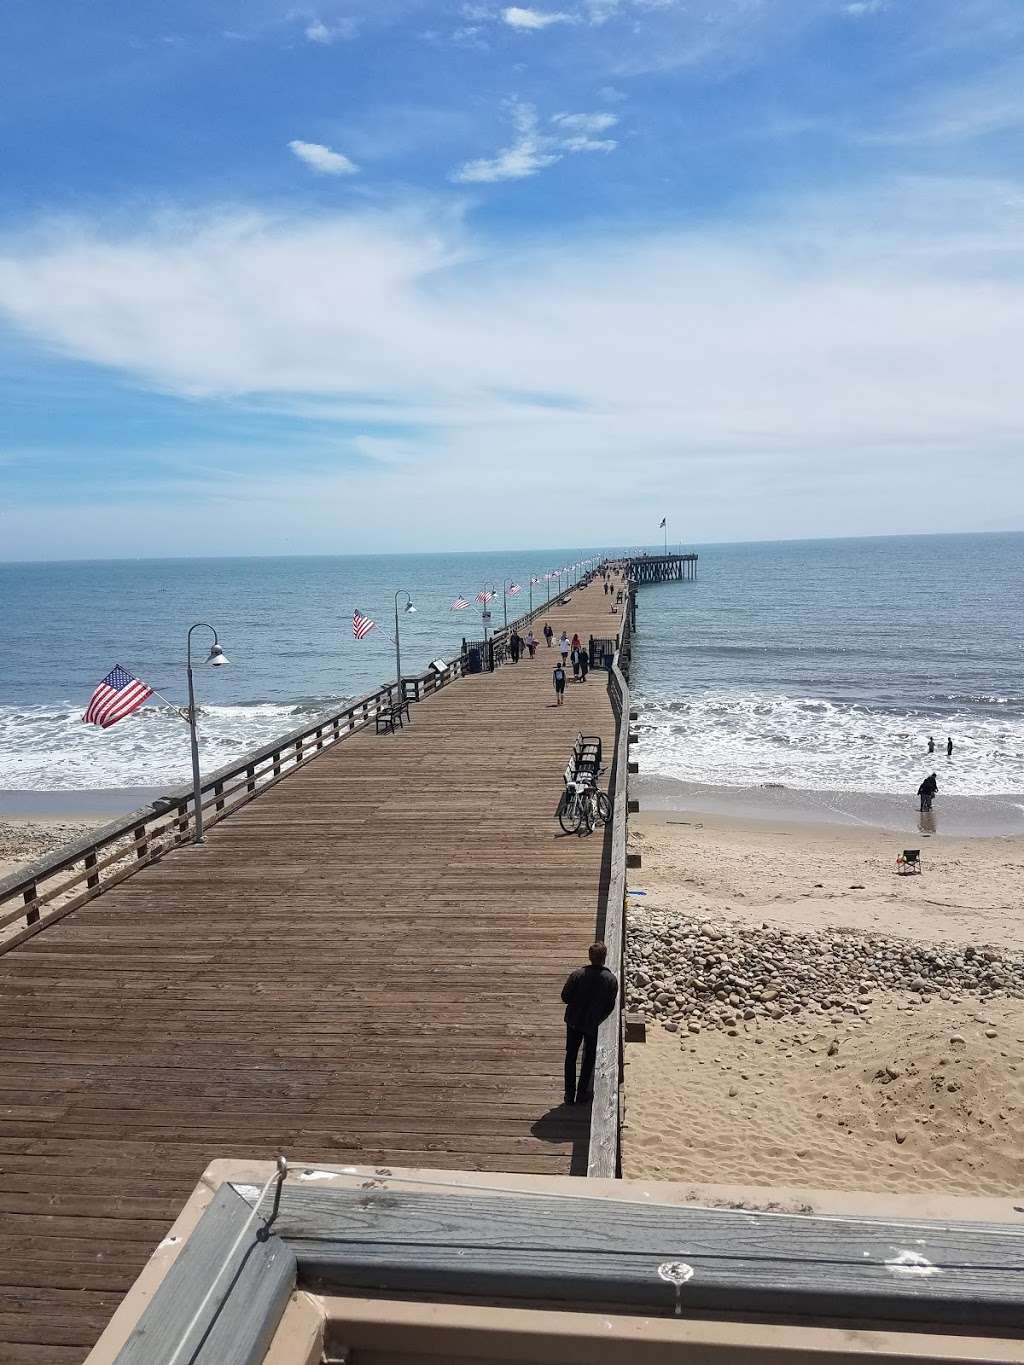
{"points": [[585, 760], [389, 716]]}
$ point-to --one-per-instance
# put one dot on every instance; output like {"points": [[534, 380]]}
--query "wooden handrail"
{"points": [[603, 1153]]}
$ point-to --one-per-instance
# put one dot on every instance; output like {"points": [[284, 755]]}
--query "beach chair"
{"points": [[908, 862]]}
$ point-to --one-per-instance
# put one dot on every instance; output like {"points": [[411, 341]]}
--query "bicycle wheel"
{"points": [[588, 801], [604, 807], [569, 813]]}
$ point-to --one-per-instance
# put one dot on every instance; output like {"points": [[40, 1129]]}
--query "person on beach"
{"points": [[589, 997], [927, 790], [931, 744], [549, 634], [531, 643], [558, 678], [949, 746]]}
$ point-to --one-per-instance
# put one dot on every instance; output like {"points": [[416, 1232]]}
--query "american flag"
{"points": [[118, 695], [484, 597], [361, 625], [460, 604], [514, 590]]}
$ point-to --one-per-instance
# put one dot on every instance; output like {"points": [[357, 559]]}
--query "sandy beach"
{"points": [[911, 1079], [24, 838]]}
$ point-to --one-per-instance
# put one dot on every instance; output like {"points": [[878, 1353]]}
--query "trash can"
{"points": [[474, 662]]}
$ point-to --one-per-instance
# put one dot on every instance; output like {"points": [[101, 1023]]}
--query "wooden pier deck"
{"points": [[361, 965]]}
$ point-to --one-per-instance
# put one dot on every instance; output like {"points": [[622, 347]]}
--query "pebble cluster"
{"points": [[693, 974]]}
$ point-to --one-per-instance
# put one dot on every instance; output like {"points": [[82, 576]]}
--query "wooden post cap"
{"points": [[634, 767], [633, 860], [632, 807], [635, 1025]]}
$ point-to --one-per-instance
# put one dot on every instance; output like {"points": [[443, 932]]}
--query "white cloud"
{"points": [[843, 364], [858, 9], [533, 19], [325, 34], [536, 148], [321, 159]]}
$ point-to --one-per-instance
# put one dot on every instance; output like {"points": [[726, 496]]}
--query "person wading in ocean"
{"points": [[589, 997], [927, 790]]}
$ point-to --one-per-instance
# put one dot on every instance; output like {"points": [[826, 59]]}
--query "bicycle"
{"points": [[582, 807]]}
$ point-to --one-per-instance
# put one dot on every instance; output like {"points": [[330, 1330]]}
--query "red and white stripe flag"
{"points": [[514, 590], [484, 597], [118, 695], [361, 625], [460, 604]]}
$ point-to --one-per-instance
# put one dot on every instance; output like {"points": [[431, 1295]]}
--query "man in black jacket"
{"points": [[926, 791], [589, 996]]}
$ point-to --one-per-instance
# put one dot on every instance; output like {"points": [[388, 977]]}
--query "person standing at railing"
{"points": [[589, 997]]}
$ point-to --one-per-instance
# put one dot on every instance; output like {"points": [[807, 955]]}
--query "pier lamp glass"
{"points": [[408, 605], [217, 658]]}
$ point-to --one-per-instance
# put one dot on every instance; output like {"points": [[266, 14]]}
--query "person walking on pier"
{"points": [[584, 663], [558, 678], [549, 634], [589, 997], [563, 648], [575, 657], [531, 643], [927, 790], [514, 644]]}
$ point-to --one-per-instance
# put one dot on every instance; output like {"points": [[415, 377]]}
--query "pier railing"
{"points": [[605, 1115], [33, 897]]}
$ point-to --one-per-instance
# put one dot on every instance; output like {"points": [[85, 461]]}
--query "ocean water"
{"points": [[819, 666], [284, 623], [825, 666]]}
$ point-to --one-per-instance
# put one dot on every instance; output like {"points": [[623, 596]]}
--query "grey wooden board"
{"points": [[257, 1284], [609, 1253]]}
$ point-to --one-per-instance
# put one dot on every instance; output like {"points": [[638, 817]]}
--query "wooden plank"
{"points": [[576, 1251], [252, 1280]]}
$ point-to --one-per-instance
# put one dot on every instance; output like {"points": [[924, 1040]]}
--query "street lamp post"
{"points": [[216, 658], [398, 643]]}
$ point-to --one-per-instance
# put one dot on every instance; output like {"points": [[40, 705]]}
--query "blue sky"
{"points": [[391, 272]]}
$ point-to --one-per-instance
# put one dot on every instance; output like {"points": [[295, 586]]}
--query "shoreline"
{"points": [[971, 817]]}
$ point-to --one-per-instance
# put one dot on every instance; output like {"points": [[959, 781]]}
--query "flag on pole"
{"points": [[118, 695], [484, 597], [514, 590], [361, 625], [460, 604], [661, 524]]}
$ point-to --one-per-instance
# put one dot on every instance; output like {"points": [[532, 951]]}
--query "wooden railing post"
{"points": [[277, 762], [298, 751], [141, 842], [250, 776], [90, 861], [183, 817], [218, 791], [29, 895], [319, 738]]}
